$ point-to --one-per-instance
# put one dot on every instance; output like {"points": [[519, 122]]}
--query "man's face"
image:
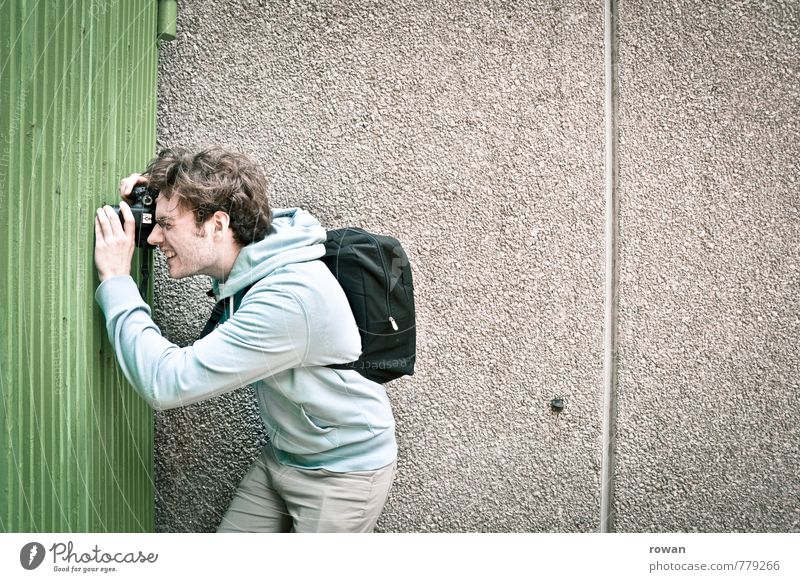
{"points": [[189, 250]]}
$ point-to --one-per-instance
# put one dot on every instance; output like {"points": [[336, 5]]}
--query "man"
{"points": [[331, 455]]}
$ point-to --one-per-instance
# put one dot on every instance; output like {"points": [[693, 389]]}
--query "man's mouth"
{"points": [[169, 255]]}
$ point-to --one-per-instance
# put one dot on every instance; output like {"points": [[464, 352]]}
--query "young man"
{"points": [[331, 454]]}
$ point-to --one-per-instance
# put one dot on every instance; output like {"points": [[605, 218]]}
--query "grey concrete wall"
{"points": [[709, 314], [473, 131]]}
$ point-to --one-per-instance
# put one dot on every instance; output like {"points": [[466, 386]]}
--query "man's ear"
{"points": [[220, 222]]}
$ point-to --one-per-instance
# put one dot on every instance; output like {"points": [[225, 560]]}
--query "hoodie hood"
{"points": [[296, 237]]}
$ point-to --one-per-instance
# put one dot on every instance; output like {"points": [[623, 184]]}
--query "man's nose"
{"points": [[155, 236]]}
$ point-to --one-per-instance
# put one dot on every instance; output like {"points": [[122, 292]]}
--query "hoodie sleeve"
{"points": [[269, 334]]}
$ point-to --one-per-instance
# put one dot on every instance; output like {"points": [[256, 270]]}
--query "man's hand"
{"points": [[126, 185], [113, 248]]}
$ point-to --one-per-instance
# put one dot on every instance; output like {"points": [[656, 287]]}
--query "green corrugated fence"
{"points": [[77, 112]]}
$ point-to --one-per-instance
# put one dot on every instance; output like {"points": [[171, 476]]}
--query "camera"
{"points": [[143, 207]]}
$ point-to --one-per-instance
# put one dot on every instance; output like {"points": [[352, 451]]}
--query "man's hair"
{"points": [[211, 180]]}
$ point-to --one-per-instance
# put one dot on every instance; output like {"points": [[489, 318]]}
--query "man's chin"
{"points": [[175, 273]]}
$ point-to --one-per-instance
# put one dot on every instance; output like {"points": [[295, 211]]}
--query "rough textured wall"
{"points": [[710, 268], [474, 133]]}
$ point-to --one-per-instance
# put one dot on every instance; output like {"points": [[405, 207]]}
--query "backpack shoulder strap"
{"points": [[220, 310]]}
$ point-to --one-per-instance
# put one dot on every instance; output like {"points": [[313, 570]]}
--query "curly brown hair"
{"points": [[215, 179]]}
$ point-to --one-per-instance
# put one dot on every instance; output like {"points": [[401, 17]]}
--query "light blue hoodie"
{"points": [[289, 327]]}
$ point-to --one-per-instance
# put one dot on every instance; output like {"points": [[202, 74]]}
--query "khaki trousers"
{"points": [[275, 498]]}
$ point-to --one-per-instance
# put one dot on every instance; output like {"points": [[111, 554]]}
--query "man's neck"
{"points": [[227, 259]]}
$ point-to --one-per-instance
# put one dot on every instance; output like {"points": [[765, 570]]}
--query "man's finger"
{"points": [[98, 230], [126, 185], [130, 222], [113, 220], [105, 225]]}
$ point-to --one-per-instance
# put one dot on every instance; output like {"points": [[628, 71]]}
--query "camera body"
{"points": [[143, 207]]}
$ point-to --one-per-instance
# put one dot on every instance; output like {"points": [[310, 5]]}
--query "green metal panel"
{"points": [[77, 112]]}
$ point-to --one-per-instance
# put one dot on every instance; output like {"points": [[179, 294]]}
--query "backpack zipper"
{"points": [[386, 276]]}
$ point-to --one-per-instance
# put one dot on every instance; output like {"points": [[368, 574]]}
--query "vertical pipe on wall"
{"points": [[610, 316], [167, 19]]}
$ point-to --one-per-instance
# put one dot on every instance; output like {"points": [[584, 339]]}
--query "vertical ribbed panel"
{"points": [[77, 112]]}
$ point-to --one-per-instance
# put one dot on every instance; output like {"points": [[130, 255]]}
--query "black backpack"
{"points": [[375, 275]]}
